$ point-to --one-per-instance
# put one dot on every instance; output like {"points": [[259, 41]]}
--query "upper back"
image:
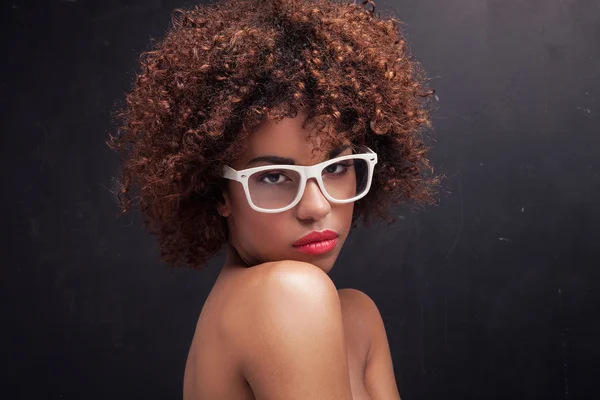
{"points": [[212, 368]]}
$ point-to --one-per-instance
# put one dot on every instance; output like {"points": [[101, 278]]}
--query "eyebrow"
{"points": [[290, 161]]}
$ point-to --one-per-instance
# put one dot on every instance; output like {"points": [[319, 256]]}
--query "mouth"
{"points": [[316, 243]]}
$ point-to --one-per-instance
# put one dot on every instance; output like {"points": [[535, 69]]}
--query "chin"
{"points": [[326, 266], [325, 262]]}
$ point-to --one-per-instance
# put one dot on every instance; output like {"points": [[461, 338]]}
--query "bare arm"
{"points": [[291, 336], [379, 375]]}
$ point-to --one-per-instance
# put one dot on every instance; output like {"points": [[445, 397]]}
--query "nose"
{"points": [[313, 205]]}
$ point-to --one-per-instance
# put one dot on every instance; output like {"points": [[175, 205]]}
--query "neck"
{"points": [[232, 257]]}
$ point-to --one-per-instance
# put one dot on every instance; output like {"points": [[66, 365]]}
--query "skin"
{"points": [[281, 330], [262, 237]]}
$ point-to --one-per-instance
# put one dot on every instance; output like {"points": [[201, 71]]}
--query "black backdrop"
{"points": [[491, 295]]}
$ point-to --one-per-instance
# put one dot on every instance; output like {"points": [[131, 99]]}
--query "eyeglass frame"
{"points": [[306, 173]]}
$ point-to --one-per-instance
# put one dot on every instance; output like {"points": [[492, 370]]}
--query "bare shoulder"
{"points": [[361, 312], [379, 374], [290, 335], [266, 280], [361, 307], [359, 301], [272, 290]]}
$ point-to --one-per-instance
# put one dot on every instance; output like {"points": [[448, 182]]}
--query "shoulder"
{"points": [[290, 325], [358, 299], [359, 305], [366, 319], [269, 290], [290, 286], [271, 278], [361, 312]]}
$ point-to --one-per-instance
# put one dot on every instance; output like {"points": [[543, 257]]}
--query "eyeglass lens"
{"points": [[278, 187]]}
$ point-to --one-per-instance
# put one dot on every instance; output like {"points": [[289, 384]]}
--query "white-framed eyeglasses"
{"points": [[277, 188]]}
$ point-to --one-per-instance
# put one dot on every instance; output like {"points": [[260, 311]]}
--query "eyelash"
{"points": [[346, 164], [269, 173]]}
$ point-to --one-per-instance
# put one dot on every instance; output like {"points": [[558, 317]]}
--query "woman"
{"points": [[267, 129]]}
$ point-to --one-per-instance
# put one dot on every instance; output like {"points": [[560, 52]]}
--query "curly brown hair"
{"points": [[222, 68]]}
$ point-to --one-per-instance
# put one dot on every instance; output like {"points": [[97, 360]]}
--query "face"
{"points": [[261, 237]]}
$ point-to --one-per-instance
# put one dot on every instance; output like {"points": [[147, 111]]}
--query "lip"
{"points": [[317, 248], [315, 236], [316, 243]]}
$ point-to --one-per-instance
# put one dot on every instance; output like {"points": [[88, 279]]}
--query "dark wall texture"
{"points": [[493, 294]]}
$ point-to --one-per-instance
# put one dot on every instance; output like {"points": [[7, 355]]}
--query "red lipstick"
{"points": [[316, 243]]}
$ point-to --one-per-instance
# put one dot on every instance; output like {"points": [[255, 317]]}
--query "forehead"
{"points": [[286, 138]]}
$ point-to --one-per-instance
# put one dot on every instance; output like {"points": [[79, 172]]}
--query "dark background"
{"points": [[494, 294]]}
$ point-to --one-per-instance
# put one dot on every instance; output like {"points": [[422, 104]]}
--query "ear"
{"points": [[224, 208]]}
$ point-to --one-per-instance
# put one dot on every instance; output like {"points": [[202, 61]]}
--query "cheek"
{"points": [[347, 208], [256, 224], [253, 225], [344, 213], [262, 235]]}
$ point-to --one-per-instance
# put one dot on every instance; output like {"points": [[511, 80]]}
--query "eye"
{"points": [[273, 178], [338, 168]]}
